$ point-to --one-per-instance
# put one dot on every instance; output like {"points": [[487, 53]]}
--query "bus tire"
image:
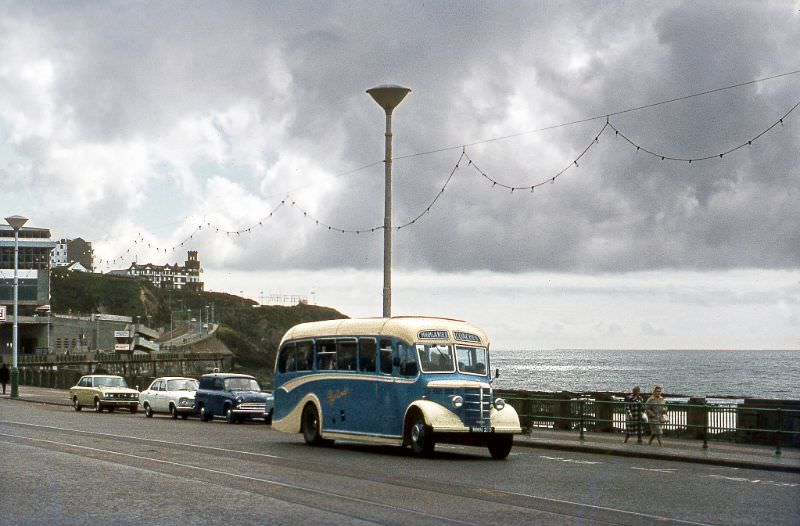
{"points": [[500, 445], [310, 425], [421, 437]]}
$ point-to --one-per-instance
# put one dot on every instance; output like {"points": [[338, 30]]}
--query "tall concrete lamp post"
{"points": [[16, 222], [388, 97]]}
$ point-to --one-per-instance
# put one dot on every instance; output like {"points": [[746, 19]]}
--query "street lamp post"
{"points": [[16, 222], [388, 97]]}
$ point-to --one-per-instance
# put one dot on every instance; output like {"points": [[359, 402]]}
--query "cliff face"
{"points": [[250, 331]]}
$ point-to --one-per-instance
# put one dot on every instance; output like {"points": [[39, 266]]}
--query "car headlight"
{"points": [[106, 395], [238, 400], [499, 404], [457, 401], [186, 402]]}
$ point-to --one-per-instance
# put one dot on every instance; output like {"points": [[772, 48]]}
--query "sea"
{"points": [[733, 374]]}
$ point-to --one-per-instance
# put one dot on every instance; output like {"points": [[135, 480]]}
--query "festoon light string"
{"points": [[495, 183], [140, 239], [376, 228]]}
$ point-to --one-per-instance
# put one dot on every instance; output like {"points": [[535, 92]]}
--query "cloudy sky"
{"points": [[243, 130]]}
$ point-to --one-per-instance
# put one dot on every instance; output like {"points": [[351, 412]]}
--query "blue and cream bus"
{"points": [[409, 381]]}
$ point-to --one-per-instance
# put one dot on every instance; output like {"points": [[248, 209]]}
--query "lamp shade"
{"points": [[16, 222], [388, 96]]}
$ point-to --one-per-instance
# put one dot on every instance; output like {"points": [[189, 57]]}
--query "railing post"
{"points": [[580, 405], [779, 432], [604, 412], [705, 426]]}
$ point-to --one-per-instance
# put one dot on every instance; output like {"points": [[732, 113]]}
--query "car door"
{"points": [[85, 392], [155, 396]]}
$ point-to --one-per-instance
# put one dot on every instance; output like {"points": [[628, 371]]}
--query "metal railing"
{"points": [[748, 422]]}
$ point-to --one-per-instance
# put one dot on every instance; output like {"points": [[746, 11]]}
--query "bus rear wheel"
{"points": [[422, 441], [310, 425], [500, 445]]}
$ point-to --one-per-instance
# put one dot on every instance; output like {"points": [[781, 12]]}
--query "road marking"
{"points": [[571, 460], [109, 435], [605, 508], [756, 481], [327, 493], [246, 477], [658, 470]]}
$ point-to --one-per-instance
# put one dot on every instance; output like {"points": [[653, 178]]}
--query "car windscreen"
{"points": [[241, 384], [435, 357], [110, 381], [181, 385]]}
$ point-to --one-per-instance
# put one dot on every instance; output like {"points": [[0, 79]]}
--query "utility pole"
{"points": [[388, 97]]}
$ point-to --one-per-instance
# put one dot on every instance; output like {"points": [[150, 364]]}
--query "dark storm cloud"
{"points": [[478, 71]]}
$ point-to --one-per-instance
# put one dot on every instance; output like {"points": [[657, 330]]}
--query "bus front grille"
{"points": [[477, 402]]}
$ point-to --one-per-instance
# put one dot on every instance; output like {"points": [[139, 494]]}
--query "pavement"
{"points": [[744, 456]]}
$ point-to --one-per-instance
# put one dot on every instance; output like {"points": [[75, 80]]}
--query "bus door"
{"points": [[395, 395], [365, 389]]}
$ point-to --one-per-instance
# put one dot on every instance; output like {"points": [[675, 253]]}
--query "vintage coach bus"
{"points": [[409, 381]]}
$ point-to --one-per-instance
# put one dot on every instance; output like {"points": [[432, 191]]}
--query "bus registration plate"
{"points": [[481, 429]]}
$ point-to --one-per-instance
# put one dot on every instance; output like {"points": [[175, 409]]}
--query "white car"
{"points": [[169, 394]]}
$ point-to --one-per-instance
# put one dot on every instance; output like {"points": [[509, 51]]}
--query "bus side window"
{"points": [[346, 355], [366, 355], [326, 355], [286, 358], [291, 360], [305, 356], [386, 356], [408, 362]]}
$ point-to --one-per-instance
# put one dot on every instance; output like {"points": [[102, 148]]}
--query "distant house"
{"points": [[168, 276], [69, 251], [75, 266]]}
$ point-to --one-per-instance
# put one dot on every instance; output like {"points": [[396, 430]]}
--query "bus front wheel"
{"points": [[500, 445], [422, 441], [310, 424]]}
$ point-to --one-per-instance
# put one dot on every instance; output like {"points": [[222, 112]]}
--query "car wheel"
{"points": [[500, 445], [422, 441], [98, 406], [148, 411], [230, 417], [75, 404], [311, 426], [173, 411], [205, 415]]}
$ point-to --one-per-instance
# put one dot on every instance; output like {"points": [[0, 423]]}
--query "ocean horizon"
{"points": [[718, 373]]}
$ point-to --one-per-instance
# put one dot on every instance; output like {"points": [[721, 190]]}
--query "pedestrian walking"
{"points": [[4, 376], [633, 414], [656, 409]]}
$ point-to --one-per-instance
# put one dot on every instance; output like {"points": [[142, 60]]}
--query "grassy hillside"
{"points": [[252, 332]]}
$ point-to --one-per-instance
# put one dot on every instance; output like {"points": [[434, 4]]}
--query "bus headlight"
{"points": [[499, 404], [457, 401]]}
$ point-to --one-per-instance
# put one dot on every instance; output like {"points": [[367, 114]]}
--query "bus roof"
{"points": [[407, 328]]}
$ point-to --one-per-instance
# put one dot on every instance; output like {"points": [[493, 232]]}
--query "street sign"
{"points": [[122, 347], [122, 334], [2, 313]]}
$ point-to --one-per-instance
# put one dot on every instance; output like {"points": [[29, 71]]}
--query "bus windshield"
{"points": [[435, 358], [472, 360]]}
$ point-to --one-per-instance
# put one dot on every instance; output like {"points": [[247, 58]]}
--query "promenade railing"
{"points": [[754, 421]]}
